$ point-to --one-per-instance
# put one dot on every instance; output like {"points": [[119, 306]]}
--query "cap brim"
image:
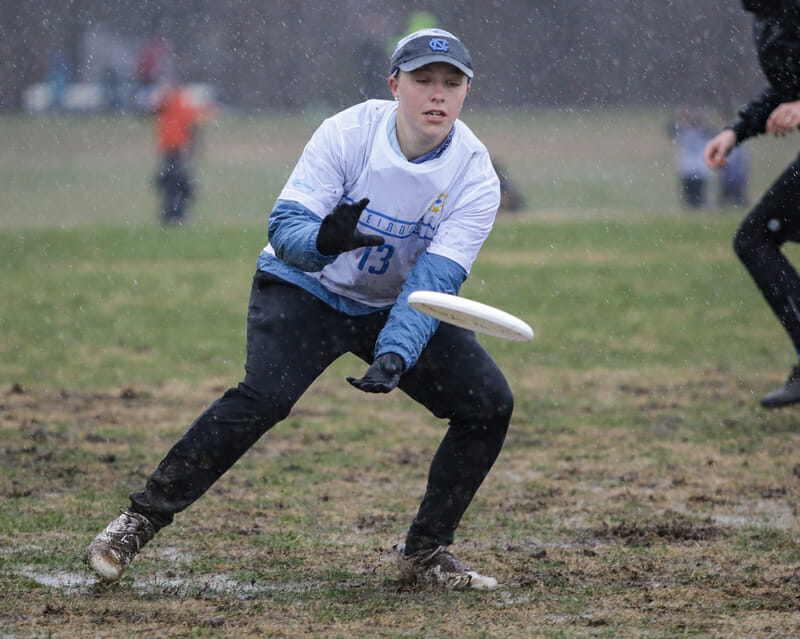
{"points": [[416, 63]]}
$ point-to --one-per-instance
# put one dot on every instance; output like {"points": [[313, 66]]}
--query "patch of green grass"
{"points": [[109, 307]]}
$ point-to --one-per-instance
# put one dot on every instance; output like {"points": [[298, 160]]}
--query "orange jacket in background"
{"points": [[176, 118]]}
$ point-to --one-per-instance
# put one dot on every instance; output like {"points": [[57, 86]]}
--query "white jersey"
{"points": [[446, 205]]}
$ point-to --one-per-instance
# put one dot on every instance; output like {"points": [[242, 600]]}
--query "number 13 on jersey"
{"points": [[376, 259]]}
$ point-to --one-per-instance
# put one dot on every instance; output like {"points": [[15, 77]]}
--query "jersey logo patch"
{"points": [[438, 44], [438, 203], [302, 186]]}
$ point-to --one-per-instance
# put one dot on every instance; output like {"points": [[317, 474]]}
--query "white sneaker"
{"points": [[438, 567], [113, 549]]}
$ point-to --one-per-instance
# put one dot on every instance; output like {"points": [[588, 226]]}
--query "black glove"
{"points": [[382, 376], [339, 233]]}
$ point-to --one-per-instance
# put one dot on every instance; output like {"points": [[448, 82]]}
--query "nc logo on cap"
{"points": [[438, 44]]}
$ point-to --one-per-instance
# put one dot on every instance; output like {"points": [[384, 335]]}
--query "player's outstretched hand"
{"points": [[784, 119], [382, 376], [718, 148], [339, 230]]}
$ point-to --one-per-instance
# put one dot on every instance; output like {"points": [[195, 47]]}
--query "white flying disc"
{"points": [[471, 315]]}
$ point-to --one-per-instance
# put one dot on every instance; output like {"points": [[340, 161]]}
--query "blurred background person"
{"points": [[735, 178], [177, 118], [511, 197], [58, 77], [151, 71], [371, 57], [689, 133]]}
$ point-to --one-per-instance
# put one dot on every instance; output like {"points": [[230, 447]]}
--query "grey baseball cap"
{"points": [[428, 46]]}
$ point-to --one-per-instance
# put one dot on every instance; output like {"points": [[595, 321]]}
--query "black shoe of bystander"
{"points": [[787, 395]]}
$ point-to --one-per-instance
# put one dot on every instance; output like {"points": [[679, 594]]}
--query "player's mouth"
{"points": [[435, 115]]}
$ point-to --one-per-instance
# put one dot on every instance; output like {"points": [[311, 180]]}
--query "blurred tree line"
{"points": [[302, 53]]}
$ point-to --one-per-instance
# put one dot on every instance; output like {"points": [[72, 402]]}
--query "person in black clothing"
{"points": [[775, 219]]}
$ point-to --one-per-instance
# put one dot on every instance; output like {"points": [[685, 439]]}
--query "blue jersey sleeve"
{"points": [[407, 331], [293, 231]]}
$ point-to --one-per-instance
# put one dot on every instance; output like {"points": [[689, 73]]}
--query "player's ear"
{"points": [[393, 84]]}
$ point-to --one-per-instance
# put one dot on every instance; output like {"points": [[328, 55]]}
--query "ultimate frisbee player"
{"points": [[388, 197]]}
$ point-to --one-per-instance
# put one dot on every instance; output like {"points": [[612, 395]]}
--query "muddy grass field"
{"points": [[641, 493], [593, 531]]}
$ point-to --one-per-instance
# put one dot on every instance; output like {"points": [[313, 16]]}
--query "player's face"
{"points": [[429, 102]]}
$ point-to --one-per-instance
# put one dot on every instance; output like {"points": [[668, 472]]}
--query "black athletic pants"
{"points": [[175, 185], [693, 191], [773, 221], [292, 337]]}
